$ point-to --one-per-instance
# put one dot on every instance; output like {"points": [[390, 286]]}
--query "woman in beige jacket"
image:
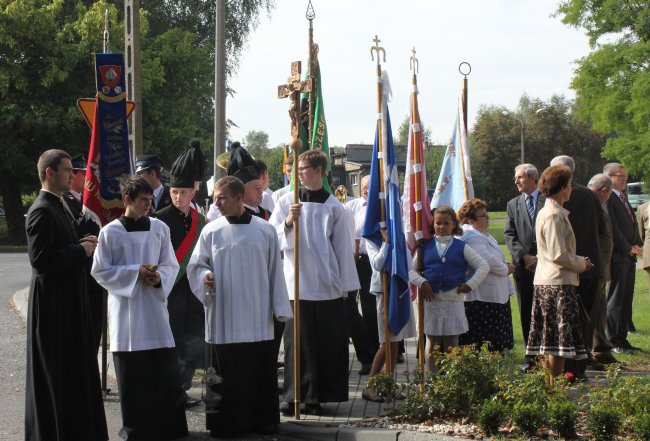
{"points": [[555, 329]]}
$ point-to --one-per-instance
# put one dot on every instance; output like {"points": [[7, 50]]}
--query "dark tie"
{"points": [[530, 207], [627, 206]]}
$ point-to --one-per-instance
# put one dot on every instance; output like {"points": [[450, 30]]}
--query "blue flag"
{"points": [[454, 185], [396, 266]]}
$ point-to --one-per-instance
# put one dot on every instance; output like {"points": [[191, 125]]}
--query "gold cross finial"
{"points": [[377, 49], [414, 63]]}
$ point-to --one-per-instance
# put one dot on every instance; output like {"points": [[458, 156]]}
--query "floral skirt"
{"points": [[488, 323], [556, 327]]}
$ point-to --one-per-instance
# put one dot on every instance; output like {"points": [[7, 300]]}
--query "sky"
{"points": [[513, 46]]}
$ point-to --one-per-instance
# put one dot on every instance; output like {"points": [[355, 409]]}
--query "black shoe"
{"points": [[313, 409], [621, 350], [605, 358], [527, 366], [400, 358], [626, 344], [365, 369], [595, 365], [287, 408], [271, 429], [370, 395]]}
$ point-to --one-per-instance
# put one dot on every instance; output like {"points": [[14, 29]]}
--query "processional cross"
{"points": [[293, 89]]}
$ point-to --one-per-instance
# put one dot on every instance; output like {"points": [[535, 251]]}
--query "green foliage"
{"points": [[550, 129], [612, 83], [528, 417], [433, 157], [383, 384], [256, 140], [641, 425], [28, 200], [403, 133], [562, 417], [490, 416], [419, 406], [604, 421]]}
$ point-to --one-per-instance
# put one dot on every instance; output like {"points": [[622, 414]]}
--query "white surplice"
{"points": [[249, 285], [137, 313], [327, 268]]}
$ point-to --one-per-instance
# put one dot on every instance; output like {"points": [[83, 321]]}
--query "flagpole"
{"points": [[310, 15], [417, 135], [468, 70], [380, 149]]}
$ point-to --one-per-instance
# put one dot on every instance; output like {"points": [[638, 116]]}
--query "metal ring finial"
{"points": [[310, 14], [377, 49], [469, 68], [413, 62]]}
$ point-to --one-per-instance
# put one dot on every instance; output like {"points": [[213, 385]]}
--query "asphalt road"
{"points": [[15, 274]]}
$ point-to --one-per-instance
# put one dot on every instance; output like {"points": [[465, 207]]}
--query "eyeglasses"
{"points": [[302, 169], [620, 175]]}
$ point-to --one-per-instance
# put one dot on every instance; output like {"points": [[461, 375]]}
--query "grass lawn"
{"points": [[637, 361]]}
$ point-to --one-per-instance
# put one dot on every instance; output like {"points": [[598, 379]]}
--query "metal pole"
{"points": [[219, 84], [133, 73], [522, 140]]}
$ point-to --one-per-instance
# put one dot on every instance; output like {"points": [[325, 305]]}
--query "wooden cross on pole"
{"points": [[293, 89]]}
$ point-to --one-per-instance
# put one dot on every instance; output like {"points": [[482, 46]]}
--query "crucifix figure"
{"points": [[293, 89]]}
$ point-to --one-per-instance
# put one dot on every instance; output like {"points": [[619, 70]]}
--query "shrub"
{"points": [[641, 425], [604, 421], [562, 416], [383, 384], [417, 406], [490, 417], [528, 417]]}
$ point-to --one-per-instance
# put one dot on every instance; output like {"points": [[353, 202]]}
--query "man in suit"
{"points": [[601, 185], [643, 213], [520, 239], [586, 217], [149, 167], [627, 246], [63, 399]]}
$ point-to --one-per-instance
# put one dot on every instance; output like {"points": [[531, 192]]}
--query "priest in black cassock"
{"points": [[136, 264], [236, 272], [327, 274], [185, 223], [86, 226], [63, 398]]}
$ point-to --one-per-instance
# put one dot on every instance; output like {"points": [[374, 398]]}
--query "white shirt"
{"points": [[249, 283], [496, 287], [213, 213], [157, 195], [358, 208], [327, 269], [267, 200], [277, 194], [137, 313]]}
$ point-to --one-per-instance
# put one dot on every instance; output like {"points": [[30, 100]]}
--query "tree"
{"points": [[550, 129], [255, 141], [45, 65], [612, 83]]}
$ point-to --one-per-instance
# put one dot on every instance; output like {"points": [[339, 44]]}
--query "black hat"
{"points": [[146, 162], [79, 162], [242, 165], [189, 167]]}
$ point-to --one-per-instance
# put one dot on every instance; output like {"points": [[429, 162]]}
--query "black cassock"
{"points": [[63, 400], [186, 316]]}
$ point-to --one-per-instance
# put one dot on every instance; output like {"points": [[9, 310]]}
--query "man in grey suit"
{"points": [[520, 238], [627, 246]]}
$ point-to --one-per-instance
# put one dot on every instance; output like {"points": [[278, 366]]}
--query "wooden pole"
{"points": [[296, 145], [417, 139], [310, 15], [388, 365]]}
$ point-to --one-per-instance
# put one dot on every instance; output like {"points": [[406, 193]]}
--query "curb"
{"points": [[320, 432], [20, 300]]}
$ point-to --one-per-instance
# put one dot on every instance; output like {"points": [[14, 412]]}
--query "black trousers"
{"points": [[524, 285], [357, 331], [619, 300], [368, 301]]}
